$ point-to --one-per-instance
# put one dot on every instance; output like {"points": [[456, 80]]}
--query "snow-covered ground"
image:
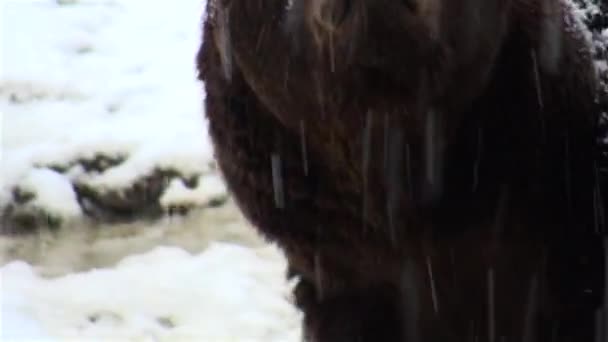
{"points": [[226, 293], [82, 78]]}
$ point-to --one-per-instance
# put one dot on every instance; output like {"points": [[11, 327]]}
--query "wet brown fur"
{"points": [[379, 256]]}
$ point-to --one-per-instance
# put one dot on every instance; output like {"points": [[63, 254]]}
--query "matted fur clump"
{"points": [[429, 167]]}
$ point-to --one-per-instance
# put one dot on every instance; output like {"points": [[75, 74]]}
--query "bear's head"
{"points": [[415, 49]]}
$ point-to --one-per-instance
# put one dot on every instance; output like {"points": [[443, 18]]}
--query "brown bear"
{"points": [[427, 166]]}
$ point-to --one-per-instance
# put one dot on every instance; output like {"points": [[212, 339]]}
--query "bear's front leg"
{"points": [[373, 314]]}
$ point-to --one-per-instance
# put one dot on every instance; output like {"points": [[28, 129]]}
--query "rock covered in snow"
{"points": [[113, 124]]}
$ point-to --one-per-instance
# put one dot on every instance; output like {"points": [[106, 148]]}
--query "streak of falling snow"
{"points": [[599, 326], [318, 276], [598, 205], [539, 94], [501, 210], [431, 140], [472, 332], [601, 210], [408, 165], [491, 312], [554, 331], [286, 79], [332, 52], [367, 140], [320, 95], [477, 159], [258, 43], [531, 310], [293, 23], [453, 265], [596, 215], [223, 39], [567, 174], [41, 243], [394, 180], [411, 302], [304, 149], [277, 181], [432, 153], [429, 269], [386, 141]]}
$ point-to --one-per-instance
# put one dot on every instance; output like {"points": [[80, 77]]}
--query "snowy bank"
{"points": [[227, 293], [102, 108]]}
